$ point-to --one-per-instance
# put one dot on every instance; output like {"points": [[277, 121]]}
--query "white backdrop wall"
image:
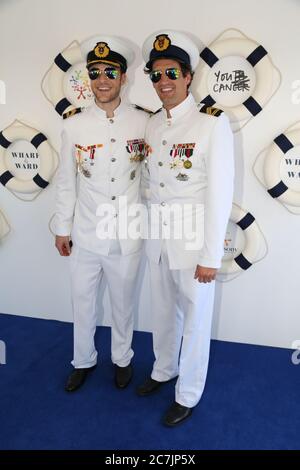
{"points": [[262, 305]]}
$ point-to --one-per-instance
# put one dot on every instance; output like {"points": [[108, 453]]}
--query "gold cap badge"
{"points": [[101, 50], [162, 42]]}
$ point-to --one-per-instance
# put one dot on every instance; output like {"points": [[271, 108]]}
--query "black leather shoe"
{"points": [[176, 414], [148, 387], [123, 376], [77, 378]]}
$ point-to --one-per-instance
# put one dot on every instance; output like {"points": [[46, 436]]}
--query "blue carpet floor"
{"points": [[251, 400]]}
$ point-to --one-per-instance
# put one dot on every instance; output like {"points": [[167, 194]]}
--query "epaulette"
{"points": [[72, 112], [211, 111], [140, 108], [151, 113]]}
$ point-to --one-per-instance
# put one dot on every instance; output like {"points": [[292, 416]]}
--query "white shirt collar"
{"points": [[181, 108], [102, 113]]}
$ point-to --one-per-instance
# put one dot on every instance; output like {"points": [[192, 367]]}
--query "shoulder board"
{"points": [[72, 113], [211, 111], [140, 108], [148, 111]]}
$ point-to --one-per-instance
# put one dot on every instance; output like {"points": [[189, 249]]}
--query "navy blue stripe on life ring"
{"points": [[278, 189], [62, 63], [246, 221], [38, 139], [242, 262], [256, 55], [40, 181], [208, 101], [3, 141], [209, 57], [62, 105], [5, 177], [283, 143], [252, 105]]}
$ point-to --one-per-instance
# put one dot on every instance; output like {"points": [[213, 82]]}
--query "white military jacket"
{"points": [[100, 161], [190, 164]]}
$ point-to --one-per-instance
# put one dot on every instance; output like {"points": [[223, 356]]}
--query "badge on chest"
{"points": [[181, 159], [85, 158], [137, 150]]}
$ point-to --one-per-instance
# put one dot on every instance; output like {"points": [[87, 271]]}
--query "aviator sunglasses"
{"points": [[172, 73], [110, 73]]}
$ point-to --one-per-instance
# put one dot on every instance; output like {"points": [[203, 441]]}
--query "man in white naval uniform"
{"points": [[101, 154], [190, 167]]}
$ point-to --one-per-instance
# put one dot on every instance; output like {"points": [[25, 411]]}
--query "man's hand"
{"points": [[63, 245], [205, 274]]}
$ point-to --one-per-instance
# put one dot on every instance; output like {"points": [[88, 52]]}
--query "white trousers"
{"points": [[87, 272], [182, 314]]}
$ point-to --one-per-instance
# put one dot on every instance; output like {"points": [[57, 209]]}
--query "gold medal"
{"points": [[187, 164]]}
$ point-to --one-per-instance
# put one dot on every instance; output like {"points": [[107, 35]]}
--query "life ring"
{"points": [[254, 242], [279, 149], [253, 57], [47, 158], [4, 226], [53, 81]]}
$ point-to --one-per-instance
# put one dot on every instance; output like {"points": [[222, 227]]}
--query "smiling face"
{"points": [[106, 90], [170, 92]]}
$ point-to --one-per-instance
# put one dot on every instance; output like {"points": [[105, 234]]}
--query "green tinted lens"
{"points": [[111, 73], [173, 73]]}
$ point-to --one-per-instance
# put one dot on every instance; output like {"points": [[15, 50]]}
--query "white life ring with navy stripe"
{"points": [[254, 243], [53, 81], [280, 149], [236, 75], [47, 158]]}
